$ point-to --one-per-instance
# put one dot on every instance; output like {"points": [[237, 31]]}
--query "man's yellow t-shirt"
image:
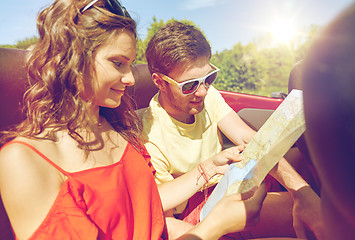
{"points": [[177, 147]]}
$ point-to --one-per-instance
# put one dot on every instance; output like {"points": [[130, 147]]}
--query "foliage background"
{"points": [[259, 67]]}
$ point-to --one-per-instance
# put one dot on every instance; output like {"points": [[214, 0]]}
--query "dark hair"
{"points": [[175, 44], [61, 62]]}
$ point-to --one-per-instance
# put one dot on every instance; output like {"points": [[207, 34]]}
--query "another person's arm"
{"points": [[231, 214], [306, 208]]}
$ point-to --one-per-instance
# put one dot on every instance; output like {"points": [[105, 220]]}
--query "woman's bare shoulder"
{"points": [[18, 151], [28, 186], [29, 152], [14, 152], [21, 164]]}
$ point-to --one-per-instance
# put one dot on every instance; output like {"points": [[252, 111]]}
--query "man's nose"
{"points": [[201, 90]]}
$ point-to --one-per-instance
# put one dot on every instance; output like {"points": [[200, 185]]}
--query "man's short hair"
{"points": [[175, 44]]}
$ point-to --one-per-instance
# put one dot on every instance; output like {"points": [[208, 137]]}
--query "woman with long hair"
{"points": [[75, 168]]}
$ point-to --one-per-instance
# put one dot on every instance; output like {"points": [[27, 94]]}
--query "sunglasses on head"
{"points": [[113, 6], [191, 86]]}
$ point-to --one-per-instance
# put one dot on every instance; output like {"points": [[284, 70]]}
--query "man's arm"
{"points": [[175, 192], [235, 129], [239, 132], [306, 202]]}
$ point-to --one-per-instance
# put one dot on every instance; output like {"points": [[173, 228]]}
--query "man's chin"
{"points": [[196, 109]]}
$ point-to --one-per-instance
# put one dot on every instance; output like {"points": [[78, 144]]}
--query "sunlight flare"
{"points": [[283, 31]]}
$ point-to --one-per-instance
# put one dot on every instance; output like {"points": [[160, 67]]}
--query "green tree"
{"points": [[22, 44], [142, 44], [241, 68], [7, 46], [279, 64], [26, 43], [140, 57], [303, 48]]}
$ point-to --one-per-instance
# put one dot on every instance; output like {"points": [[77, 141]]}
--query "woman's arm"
{"points": [[231, 214], [179, 190]]}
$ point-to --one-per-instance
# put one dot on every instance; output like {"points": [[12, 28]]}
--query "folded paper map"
{"points": [[268, 146]]}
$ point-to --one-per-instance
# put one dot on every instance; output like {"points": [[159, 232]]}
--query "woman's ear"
{"points": [[159, 82]]}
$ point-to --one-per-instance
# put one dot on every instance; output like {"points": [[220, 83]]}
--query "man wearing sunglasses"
{"points": [[182, 125]]}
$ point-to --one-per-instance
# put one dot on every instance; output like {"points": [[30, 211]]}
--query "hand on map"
{"points": [[218, 164], [233, 214]]}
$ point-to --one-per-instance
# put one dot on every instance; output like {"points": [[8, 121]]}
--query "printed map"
{"points": [[267, 147]]}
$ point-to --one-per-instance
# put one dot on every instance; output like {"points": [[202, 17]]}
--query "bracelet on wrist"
{"points": [[203, 173]]}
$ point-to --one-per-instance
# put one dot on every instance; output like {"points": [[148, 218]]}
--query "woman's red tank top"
{"points": [[118, 201]]}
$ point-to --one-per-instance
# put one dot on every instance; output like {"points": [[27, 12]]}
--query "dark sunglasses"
{"points": [[113, 6], [191, 86]]}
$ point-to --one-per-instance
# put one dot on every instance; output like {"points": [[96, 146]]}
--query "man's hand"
{"points": [[307, 214], [218, 163], [229, 155]]}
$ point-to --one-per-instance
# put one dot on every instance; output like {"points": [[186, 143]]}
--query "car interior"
{"points": [[13, 84]]}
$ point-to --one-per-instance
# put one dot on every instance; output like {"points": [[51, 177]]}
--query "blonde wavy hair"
{"points": [[59, 64]]}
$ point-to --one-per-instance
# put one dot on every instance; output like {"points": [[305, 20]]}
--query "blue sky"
{"points": [[224, 22]]}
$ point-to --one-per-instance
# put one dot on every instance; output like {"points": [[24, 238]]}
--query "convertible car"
{"points": [[254, 110]]}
